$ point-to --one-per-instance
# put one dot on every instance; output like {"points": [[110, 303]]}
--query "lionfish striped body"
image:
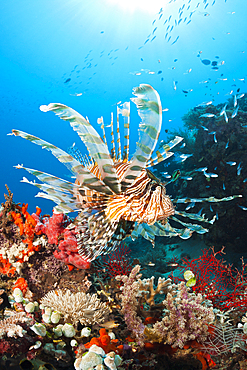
{"points": [[116, 196]]}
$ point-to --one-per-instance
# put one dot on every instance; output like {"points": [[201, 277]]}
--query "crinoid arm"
{"points": [[97, 149]]}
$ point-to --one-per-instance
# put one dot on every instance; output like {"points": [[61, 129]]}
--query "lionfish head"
{"points": [[148, 200]]}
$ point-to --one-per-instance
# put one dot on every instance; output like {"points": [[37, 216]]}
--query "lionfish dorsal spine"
{"points": [[113, 149], [125, 111], [119, 149], [100, 121]]}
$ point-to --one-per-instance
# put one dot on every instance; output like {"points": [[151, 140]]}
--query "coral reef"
{"points": [[76, 307], [186, 316], [218, 145], [51, 313]]}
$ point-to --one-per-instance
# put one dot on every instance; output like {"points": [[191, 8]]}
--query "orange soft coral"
{"points": [[27, 229], [104, 341], [6, 267], [21, 284]]}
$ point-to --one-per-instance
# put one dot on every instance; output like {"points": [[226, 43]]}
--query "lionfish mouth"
{"points": [[116, 196]]}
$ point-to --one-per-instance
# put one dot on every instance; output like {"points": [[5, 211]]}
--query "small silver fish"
{"points": [[223, 186], [225, 116], [227, 144], [185, 156], [204, 128], [245, 180], [240, 96], [235, 112], [223, 110], [243, 208], [239, 168], [235, 102], [207, 115], [151, 264], [231, 163], [186, 178], [208, 175], [205, 103], [201, 169]]}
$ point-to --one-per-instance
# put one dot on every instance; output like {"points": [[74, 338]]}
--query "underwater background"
{"points": [[90, 55]]}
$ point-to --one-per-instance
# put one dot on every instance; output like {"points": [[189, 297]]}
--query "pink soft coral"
{"points": [[69, 251], [53, 226]]}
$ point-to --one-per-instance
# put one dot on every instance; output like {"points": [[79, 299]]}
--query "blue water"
{"points": [[42, 41]]}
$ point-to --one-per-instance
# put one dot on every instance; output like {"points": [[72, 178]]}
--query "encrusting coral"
{"points": [[75, 307]]}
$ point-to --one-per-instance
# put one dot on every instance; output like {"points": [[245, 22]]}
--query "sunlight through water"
{"points": [[132, 6]]}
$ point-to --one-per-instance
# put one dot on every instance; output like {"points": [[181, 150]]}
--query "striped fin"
{"points": [[96, 147], [54, 181], [164, 153], [193, 227], [210, 199], [150, 110], [150, 231], [159, 158], [85, 177], [99, 232], [65, 202], [194, 216]]}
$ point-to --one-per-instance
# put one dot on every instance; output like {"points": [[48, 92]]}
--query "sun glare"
{"points": [[149, 6]]}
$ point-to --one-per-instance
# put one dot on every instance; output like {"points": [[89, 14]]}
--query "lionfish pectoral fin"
{"points": [[195, 216], [87, 178], [150, 110], [97, 149], [92, 243], [209, 199], [193, 227]]}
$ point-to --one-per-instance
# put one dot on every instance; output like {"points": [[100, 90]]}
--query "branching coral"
{"points": [[75, 307], [129, 295], [218, 281], [186, 316], [10, 326]]}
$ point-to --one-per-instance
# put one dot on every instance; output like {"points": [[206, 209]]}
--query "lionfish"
{"points": [[116, 196]]}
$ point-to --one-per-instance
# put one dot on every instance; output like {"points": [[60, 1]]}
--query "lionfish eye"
{"points": [[153, 187]]}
